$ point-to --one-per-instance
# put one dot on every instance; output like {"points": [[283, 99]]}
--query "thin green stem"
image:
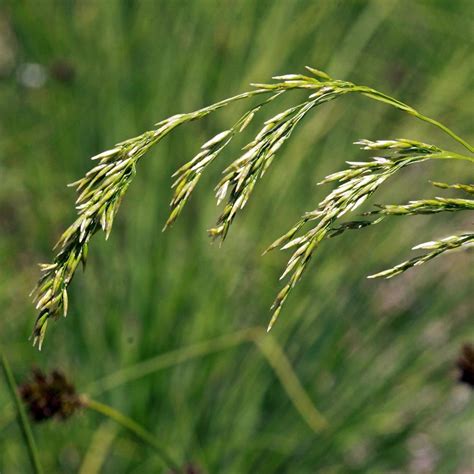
{"points": [[134, 428], [450, 155], [459, 156], [22, 418], [381, 97], [266, 345], [169, 359], [280, 364], [445, 129], [99, 448]]}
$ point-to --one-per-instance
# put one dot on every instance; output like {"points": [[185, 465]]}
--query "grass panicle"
{"points": [[437, 247], [355, 185], [101, 190]]}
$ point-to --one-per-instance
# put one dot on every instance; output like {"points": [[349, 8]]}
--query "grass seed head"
{"points": [[100, 191], [49, 396]]}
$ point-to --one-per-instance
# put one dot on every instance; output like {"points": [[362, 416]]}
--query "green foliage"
{"points": [[376, 357]]}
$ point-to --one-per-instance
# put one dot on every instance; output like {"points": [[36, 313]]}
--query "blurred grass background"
{"points": [[376, 357]]}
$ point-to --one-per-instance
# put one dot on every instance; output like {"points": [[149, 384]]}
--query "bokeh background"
{"points": [[377, 358]]}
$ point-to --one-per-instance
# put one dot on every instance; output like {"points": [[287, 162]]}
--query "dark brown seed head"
{"points": [[49, 395], [465, 364]]}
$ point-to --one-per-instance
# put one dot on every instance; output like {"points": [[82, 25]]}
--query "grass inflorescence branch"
{"points": [[436, 247], [101, 190]]}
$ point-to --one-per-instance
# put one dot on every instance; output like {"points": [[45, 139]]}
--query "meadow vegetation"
{"points": [[358, 375]]}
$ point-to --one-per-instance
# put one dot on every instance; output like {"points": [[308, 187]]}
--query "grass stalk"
{"points": [[374, 94], [447, 130], [265, 344], [22, 418], [298, 396], [101, 441], [133, 427]]}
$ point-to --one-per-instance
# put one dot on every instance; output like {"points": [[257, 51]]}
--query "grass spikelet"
{"points": [[437, 248]]}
